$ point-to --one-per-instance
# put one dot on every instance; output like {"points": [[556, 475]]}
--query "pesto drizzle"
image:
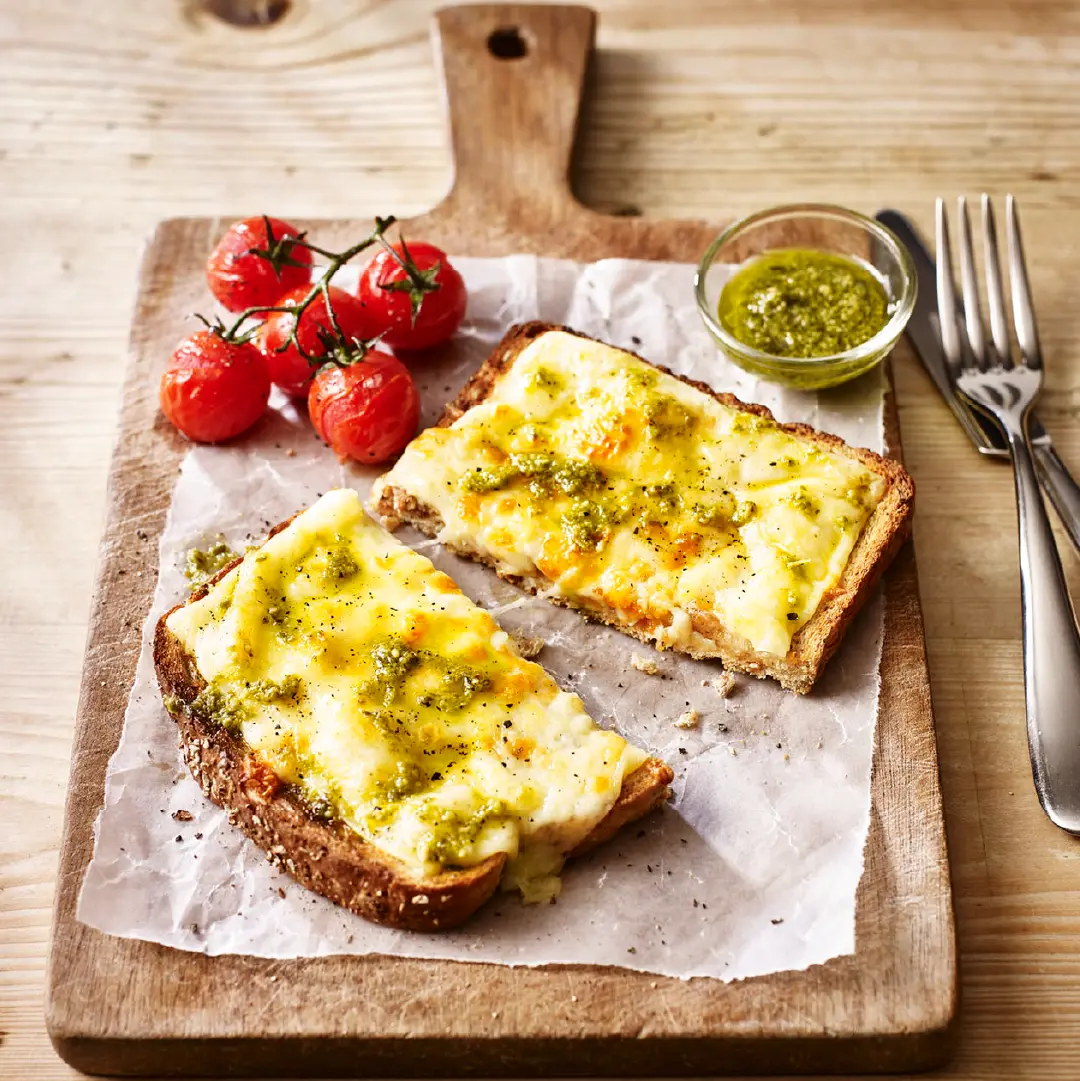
{"points": [[203, 564]]}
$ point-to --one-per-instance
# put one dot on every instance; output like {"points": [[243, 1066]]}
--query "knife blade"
{"points": [[924, 334]]}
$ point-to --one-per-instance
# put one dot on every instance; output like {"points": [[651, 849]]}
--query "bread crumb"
{"points": [[644, 664], [573, 998], [291, 452], [526, 645], [690, 719], [725, 684], [495, 1014], [182, 815], [734, 753]]}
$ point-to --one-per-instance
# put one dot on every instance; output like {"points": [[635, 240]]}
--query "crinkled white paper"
{"points": [[753, 867]]}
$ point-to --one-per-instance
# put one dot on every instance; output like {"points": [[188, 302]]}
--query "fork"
{"points": [[985, 372]]}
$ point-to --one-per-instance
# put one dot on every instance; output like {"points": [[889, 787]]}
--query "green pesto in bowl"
{"points": [[802, 302], [806, 295]]}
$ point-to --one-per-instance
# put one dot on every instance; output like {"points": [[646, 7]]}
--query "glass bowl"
{"points": [[822, 228]]}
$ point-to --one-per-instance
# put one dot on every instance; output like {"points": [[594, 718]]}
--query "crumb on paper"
{"points": [[734, 753], [725, 684], [291, 452], [644, 664], [690, 719], [527, 645], [182, 815]]}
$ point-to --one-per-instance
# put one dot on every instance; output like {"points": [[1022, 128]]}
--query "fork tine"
{"points": [[1023, 309], [995, 300], [946, 291], [972, 311]]}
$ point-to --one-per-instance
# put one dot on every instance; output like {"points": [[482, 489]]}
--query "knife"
{"points": [[923, 333]]}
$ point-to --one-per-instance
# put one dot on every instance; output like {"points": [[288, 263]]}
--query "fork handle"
{"points": [[1059, 485], [1051, 650]]}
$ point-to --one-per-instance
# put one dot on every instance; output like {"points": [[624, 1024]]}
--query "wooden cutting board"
{"points": [[514, 77]]}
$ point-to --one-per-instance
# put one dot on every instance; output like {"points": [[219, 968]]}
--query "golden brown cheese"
{"points": [[627, 487], [363, 675]]}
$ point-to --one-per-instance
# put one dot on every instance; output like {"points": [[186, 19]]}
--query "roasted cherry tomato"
{"points": [[242, 280], [368, 410], [288, 368], [442, 289], [214, 389]]}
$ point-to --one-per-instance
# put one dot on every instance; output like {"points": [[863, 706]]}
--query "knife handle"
{"points": [[1059, 485], [1051, 650]]}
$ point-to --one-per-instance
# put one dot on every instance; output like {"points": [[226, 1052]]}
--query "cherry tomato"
{"points": [[214, 389], [288, 368], [368, 410], [241, 280], [441, 312]]}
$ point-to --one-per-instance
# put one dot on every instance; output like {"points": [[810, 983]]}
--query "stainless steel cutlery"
{"points": [[1005, 383], [923, 333]]}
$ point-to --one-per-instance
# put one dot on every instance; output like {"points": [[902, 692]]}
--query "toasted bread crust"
{"points": [[324, 855], [885, 532]]}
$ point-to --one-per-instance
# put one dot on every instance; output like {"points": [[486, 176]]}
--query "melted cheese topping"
{"points": [[363, 675], [626, 487]]}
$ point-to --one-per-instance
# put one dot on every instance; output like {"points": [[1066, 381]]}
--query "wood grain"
{"points": [[116, 115], [891, 1005]]}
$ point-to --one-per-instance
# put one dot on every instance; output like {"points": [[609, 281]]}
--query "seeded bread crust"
{"points": [[816, 641], [325, 855]]}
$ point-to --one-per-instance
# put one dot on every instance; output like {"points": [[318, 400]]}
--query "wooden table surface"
{"points": [[114, 115]]}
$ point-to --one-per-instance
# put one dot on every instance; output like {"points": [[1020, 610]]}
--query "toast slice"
{"points": [[682, 516], [387, 789]]}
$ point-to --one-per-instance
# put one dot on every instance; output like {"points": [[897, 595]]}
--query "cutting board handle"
{"points": [[513, 76]]}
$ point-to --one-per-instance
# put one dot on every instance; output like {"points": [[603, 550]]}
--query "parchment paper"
{"points": [[752, 869]]}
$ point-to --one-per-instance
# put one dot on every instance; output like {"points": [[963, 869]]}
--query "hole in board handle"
{"points": [[246, 13], [507, 43]]}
